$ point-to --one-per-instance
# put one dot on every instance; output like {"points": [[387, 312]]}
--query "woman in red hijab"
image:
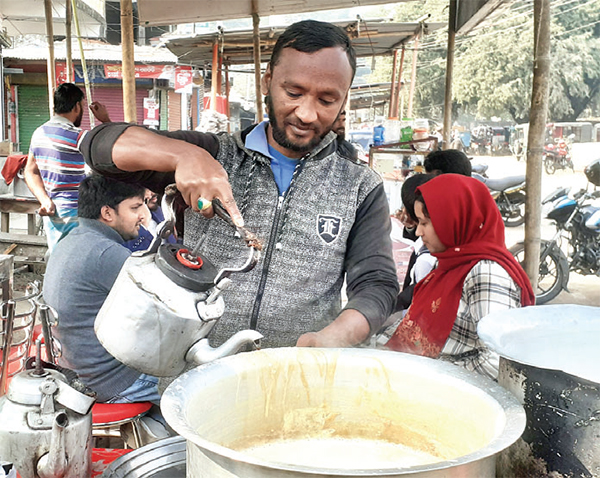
{"points": [[476, 275]]}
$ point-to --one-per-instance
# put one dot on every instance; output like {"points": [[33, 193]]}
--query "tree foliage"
{"points": [[493, 67]]}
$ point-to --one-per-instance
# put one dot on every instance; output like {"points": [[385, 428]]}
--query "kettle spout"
{"points": [[54, 463], [201, 352]]}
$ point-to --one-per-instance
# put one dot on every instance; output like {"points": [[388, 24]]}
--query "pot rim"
{"points": [[515, 419]]}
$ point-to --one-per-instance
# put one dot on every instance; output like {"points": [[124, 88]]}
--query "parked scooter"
{"points": [[576, 244], [509, 194], [557, 156]]}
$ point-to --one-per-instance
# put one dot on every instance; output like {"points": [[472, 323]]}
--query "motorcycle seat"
{"points": [[500, 184]]}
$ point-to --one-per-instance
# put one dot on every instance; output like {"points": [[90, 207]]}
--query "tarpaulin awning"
{"points": [[369, 38]]}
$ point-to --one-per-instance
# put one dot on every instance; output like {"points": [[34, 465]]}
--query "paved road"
{"points": [[583, 290]]}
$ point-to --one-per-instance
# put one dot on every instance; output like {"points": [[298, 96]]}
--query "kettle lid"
{"points": [[25, 387], [198, 279]]}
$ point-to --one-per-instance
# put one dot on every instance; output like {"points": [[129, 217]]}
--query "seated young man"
{"points": [[80, 273]]}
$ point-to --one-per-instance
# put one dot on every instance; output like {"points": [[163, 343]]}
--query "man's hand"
{"points": [[405, 219], [204, 177], [349, 329], [100, 112], [47, 207]]}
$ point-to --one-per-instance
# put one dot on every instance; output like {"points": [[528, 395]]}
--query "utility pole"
{"points": [[68, 21], [536, 137], [449, 73], [257, 76], [50, 63], [128, 62]]}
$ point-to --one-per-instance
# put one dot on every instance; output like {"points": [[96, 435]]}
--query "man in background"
{"points": [[55, 167], [80, 273]]}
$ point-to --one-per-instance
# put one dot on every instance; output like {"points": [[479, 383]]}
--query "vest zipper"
{"points": [[265, 271], [274, 238]]}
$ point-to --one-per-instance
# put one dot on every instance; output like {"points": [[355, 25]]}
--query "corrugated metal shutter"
{"points": [[174, 116], [164, 110], [113, 99], [33, 112]]}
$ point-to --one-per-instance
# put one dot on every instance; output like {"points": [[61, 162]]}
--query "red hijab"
{"points": [[467, 221]]}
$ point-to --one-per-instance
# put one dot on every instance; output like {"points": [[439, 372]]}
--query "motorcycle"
{"points": [[509, 194], [557, 156], [577, 231]]}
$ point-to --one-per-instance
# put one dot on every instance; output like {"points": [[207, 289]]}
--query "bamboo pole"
{"points": [[86, 78], [400, 99], [50, 64], [257, 75], [536, 137], [68, 18], [393, 98], [413, 77], [128, 61], [449, 72]]}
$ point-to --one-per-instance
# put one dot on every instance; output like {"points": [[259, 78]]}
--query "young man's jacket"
{"points": [[332, 223]]}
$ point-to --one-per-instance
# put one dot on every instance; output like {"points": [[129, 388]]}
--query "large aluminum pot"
{"points": [[388, 398], [549, 358]]}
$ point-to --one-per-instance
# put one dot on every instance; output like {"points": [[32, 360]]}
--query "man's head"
{"points": [[448, 161], [409, 189], [117, 204], [151, 200], [339, 127], [68, 100], [307, 81]]}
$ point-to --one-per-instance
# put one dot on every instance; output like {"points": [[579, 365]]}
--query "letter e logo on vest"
{"points": [[328, 227]]}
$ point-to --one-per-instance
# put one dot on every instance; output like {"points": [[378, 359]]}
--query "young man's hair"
{"points": [[97, 191], [310, 36], [409, 190], [448, 161], [66, 96]]}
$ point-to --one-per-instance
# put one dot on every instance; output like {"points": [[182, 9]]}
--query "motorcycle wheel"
{"points": [[549, 166], [516, 217], [552, 273]]}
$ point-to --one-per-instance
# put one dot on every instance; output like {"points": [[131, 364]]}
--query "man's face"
{"points": [[151, 200], [128, 217], [307, 92], [77, 121]]}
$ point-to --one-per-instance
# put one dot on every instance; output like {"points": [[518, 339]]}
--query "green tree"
{"points": [[494, 63]]}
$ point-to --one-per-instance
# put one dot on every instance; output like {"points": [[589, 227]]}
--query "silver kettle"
{"points": [[46, 424], [166, 300]]}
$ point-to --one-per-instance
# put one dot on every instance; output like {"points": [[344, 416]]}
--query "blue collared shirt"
{"points": [[282, 166]]}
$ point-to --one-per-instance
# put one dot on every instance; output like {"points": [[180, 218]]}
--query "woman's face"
{"points": [[426, 231]]}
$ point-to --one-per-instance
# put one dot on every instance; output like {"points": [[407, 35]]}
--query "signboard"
{"points": [[179, 76], [151, 112]]}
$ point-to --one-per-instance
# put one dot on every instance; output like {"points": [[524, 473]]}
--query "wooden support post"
{"points": [[393, 97], [50, 62], [86, 79], [400, 104], [536, 137], [257, 73], [214, 73], [413, 77], [128, 62], [68, 19], [447, 138], [227, 98]]}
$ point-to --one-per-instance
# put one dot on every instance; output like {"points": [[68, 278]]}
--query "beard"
{"points": [[77, 121], [280, 136]]}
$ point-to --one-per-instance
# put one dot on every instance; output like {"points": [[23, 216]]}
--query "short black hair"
{"points": [[310, 36], [66, 96], [97, 191], [448, 161], [409, 191]]}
